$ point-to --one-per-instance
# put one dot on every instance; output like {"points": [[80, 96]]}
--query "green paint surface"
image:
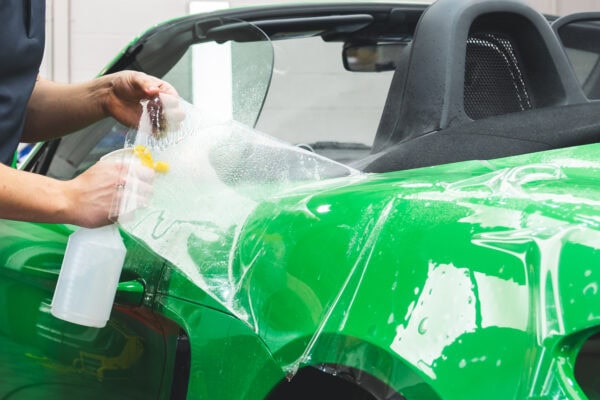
{"points": [[462, 281]]}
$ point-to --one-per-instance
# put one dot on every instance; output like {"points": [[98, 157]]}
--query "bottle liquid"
{"points": [[89, 276]]}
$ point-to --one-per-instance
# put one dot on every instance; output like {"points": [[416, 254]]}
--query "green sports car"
{"points": [[369, 201]]}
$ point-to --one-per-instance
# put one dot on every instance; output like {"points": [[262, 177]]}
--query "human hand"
{"points": [[128, 88], [95, 195], [161, 116]]}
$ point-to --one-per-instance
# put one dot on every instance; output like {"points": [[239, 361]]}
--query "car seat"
{"points": [[481, 79]]}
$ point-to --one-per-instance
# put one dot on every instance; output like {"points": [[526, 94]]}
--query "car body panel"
{"points": [[43, 354], [500, 233], [349, 276]]}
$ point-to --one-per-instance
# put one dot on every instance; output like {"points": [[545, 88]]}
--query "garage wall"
{"points": [[562, 7], [83, 35]]}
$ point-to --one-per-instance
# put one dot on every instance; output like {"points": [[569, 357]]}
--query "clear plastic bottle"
{"points": [[89, 276]]}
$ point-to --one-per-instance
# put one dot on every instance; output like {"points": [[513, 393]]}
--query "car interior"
{"points": [[481, 81]]}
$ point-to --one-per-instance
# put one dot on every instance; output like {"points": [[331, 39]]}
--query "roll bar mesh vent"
{"points": [[494, 80]]}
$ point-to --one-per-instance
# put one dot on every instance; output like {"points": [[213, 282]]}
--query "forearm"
{"points": [[57, 109], [85, 200], [29, 197]]}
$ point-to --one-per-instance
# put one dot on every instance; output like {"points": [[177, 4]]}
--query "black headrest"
{"points": [[471, 59]]}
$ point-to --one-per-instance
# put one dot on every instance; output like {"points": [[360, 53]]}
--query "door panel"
{"points": [[44, 357]]}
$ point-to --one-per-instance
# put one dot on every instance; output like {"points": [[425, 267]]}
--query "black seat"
{"points": [[481, 79]]}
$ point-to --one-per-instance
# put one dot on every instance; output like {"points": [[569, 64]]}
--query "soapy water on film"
{"points": [[219, 172]]}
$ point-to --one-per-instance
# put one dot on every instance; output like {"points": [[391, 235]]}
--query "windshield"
{"points": [[312, 100], [295, 88], [227, 77]]}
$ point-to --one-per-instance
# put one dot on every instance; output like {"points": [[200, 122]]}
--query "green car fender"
{"points": [[456, 278]]}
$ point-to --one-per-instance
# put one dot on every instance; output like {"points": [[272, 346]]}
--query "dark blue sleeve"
{"points": [[22, 24]]}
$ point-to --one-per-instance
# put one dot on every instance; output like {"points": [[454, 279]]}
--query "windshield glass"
{"points": [[226, 77], [296, 89], [312, 100]]}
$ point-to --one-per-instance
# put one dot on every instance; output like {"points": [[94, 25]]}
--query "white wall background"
{"points": [[562, 7], [83, 35]]}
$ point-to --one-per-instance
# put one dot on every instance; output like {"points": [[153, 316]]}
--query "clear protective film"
{"points": [[204, 187], [339, 269], [410, 276]]}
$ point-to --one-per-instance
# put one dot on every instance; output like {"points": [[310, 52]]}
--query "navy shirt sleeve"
{"points": [[21, 49]]}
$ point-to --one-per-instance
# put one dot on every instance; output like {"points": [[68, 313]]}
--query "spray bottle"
{"points": [[88, 279]]}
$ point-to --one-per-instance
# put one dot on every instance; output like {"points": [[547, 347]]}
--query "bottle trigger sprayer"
{"points": [[88, 279]]}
